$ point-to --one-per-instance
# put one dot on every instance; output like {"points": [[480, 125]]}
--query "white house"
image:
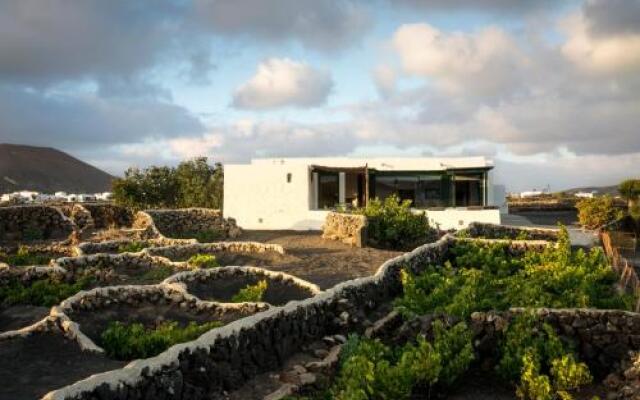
{"points": [[297, 193], [586, 195]]}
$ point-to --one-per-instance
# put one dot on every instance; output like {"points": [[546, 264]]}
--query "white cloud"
{"points": [[601, 53], [485, 62], [284, 82], [385, 79]]}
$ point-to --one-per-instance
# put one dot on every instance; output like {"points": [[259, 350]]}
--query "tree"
{"points": [[193, 183], [630, 191], [596, 212]]}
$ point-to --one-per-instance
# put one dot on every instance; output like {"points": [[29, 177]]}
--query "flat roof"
{"points": [[384, 163]]}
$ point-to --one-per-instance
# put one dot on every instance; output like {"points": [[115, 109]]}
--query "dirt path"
{"points": [[323, 262]]}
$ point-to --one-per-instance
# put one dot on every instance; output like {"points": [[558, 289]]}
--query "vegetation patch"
{"points": [[43, 292], [251, 293], [157, 273], [25, 257], [392, 224], [132, 341], [203, 261], [596, 212], [132, 247]]}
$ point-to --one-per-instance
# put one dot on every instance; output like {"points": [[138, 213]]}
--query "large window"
{"points": [[469, 190], [328, 190]]}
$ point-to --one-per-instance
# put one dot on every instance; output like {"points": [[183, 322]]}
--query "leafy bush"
{"points": [[203, 261], [193, 183], [392, 224], [486, 278], [251, 293], [43, 292], [132, 247], [131, 341], [598, 211], [157, 273], [24, 257], [371, 370]]}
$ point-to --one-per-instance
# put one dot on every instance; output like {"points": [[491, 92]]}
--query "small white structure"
{"points": [[531, 193], [104, 196], [297, 193], [586, 195]]}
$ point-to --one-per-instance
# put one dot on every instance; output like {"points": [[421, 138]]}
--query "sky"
{"points": [[548, 89]]}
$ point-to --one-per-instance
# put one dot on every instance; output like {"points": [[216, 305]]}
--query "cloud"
{"points": [[316, 24], [385, 79], [485, 62], [284, 82], [600, 47], [74, 121], [612, 17], [484, 6]]}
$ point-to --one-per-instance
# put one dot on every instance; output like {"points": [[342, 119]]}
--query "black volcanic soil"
{"points": [[19, 316], [323, 262], [42, 362]]}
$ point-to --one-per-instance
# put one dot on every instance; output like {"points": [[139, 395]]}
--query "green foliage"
{"points": [[206, 236], [193, 183], [545, 365], [203, 261], [32, 233], [630, 189], [392, 224], [251, 293], [24, 257], [371, 370], [131, 341], [132, 247], [157, 273], [486, 277], [42, 292], [598, 211]]}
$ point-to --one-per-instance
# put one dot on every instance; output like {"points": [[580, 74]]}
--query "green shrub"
{"points": [[203, 261], [24, 257], [486, 278], [32, 233], [131, 341], [371, 370], [392, 224], [598, 211], [157, 273], [251, 293], [132, 247], [43, 292]]}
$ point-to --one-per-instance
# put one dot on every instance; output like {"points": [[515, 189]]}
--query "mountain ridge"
{"points": [[48, 170]]}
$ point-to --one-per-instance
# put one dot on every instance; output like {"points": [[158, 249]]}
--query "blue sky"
{"points": [[548, 89]]}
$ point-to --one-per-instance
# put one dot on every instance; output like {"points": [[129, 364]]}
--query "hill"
{"points": [[612, 190], [48, 170]]}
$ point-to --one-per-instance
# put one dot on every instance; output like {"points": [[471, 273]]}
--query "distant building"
{"points": [[531, 193], [586, 195], [298, 193]]}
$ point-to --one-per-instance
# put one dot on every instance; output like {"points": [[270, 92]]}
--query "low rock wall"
{"points": [[185, 251], [347, 228], [493, 231], [224, 358], [31, 223], [112, 246], [109, 215], [171, 223]]}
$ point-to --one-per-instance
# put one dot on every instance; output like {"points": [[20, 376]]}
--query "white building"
{"points": [[531, 193], [586, 195], [297, 193]]}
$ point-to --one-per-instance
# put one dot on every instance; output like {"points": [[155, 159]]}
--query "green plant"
{"points": [[250, 293], [630, 191], [598, 211], [132, 247], [130, 341], [203, 261], [42, 292], [32, 233], [24, 257], [157, 273], [392, 224]]}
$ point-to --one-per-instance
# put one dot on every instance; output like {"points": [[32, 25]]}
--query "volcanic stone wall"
{"points": [[171, 223], [109, 215], [347, 228], [29, 223], [185, 251], [224, 358], [493, 231]]}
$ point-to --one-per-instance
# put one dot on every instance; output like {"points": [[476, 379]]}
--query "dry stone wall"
{"points": [[30, 223], [171, 223], [184, 251], [109, 215], [493, 231], [347, 228]]}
